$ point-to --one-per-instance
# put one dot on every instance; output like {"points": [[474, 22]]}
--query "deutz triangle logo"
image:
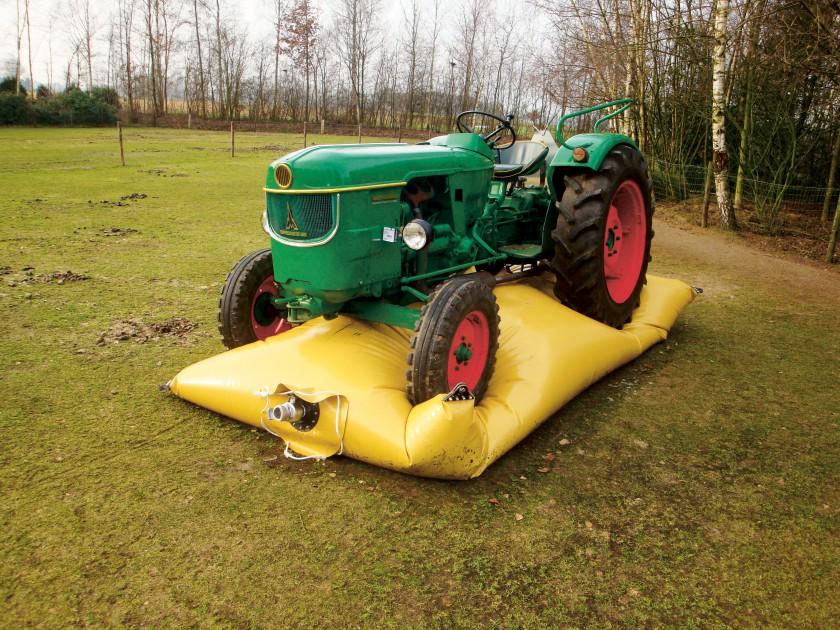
{"points": [[291, 225]]}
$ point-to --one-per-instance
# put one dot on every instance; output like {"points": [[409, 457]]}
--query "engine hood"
{"points": [[371, 165]]}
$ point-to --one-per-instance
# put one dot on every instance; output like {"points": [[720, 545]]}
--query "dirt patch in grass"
{"points": [[162, 172], [27, 275], [139, 331], [121, 202], [117, 231]]}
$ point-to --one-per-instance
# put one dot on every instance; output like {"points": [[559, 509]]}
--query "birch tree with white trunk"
{"points": [[720, 156]]}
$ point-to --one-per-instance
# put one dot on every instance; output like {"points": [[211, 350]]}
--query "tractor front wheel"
{"points": [[602, 238], [455, 339], [246, 309]]}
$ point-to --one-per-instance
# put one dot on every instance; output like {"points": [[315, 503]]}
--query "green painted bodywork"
{"points": [[335, 228], [597, 146], [359, 261], [345, 165]]}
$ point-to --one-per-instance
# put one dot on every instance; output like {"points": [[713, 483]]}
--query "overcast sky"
{"points": [[52, 16]]}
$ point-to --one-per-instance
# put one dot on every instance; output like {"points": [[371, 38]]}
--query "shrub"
{"points": [[72, 107], [8, 85], [14, 109]]}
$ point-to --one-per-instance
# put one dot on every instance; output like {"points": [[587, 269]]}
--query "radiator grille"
{"points": [[302, 217]]}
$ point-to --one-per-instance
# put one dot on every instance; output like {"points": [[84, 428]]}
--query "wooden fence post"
{"points": [[360, 133], [322, 126], [704, 222], [189, 120], [399, 133], [304, 134], [232, 141], [119, 134]]}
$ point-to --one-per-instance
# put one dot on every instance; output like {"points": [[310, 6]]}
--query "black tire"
{"points": [[237, 299], [449, 305], [582, 232]]}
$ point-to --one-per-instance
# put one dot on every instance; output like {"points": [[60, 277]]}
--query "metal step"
{"points": [[522, 250]]}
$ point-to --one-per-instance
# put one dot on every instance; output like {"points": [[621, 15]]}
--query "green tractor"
{"points": [[371, 230]]}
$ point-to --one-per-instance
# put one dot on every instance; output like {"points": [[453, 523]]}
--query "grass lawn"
{"points": [[698, 485]]}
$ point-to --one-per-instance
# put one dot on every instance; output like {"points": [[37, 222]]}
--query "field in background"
{"points": [[696, 486]]}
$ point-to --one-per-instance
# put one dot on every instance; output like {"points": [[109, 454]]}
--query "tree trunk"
{"points": [[746, 130], [720, 157], [89, 45], [835, 228], [152, 61], [835, 156], [201, 89], [19, 38], [33, 93], [707, 184], [129, 88], [742, 148]]}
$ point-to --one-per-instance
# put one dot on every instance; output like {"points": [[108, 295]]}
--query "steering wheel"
{"points": [[504, 123]]}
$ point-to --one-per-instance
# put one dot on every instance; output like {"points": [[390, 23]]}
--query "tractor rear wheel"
{"points": [[455, 340], [246, 310], [602, 238]]}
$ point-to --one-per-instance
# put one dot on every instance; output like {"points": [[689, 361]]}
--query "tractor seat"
{"points": [[519, 159]]}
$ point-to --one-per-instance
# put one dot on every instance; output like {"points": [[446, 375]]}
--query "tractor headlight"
{"points": [[417, 234]]}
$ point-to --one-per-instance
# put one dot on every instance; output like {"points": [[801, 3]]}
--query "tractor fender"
{"points": [[597, 145]]}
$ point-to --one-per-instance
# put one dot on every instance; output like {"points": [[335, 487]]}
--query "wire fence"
{"points": [[770, 201]]}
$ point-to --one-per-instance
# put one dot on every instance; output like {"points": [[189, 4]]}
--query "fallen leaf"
{"points": [[565, 442], [543, 470], [332, 474], [640, 443], [518, 516], [523, 477], [549, 457], [493, 501], [589, 525], [267, 460]]}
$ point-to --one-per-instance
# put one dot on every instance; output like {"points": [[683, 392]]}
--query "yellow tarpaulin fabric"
{"points": [[355, 370]]}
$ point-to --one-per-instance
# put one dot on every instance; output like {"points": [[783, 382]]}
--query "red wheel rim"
{"points": [[625, 236], [266, 320], [468, 351]]}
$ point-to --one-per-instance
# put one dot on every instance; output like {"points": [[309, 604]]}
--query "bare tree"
{"points": [[19, 29], [126, 10], [297, 40], [32, 91], [411, 29], [202, 107], [720, 156], [83, 31], [470, 23], [357, 29], [279, 11]]}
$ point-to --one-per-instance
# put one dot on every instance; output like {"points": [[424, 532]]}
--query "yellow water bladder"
{"points": [[355, 371]]}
